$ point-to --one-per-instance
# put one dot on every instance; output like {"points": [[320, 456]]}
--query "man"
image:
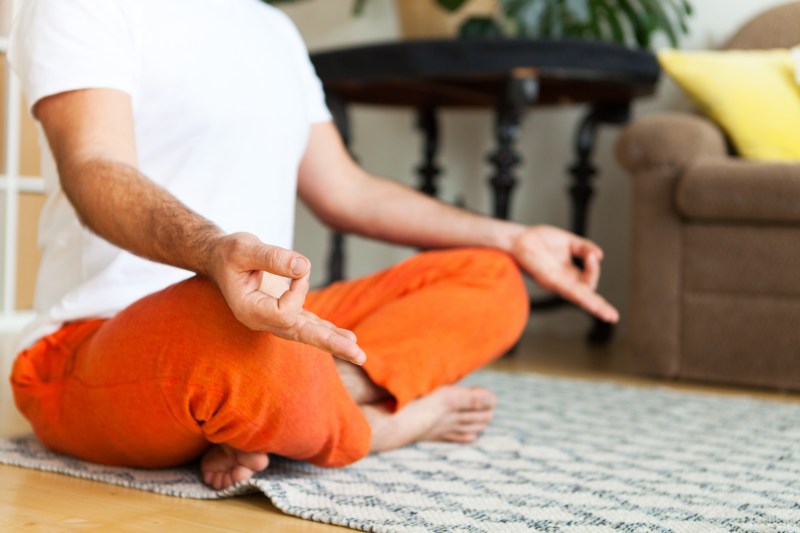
{"points": [[176, 134]]}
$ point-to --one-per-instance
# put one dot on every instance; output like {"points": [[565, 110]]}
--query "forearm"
{"points": [[385, 210], [118, 203]]}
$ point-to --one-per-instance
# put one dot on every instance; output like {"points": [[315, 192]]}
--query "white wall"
{"points": [[386, 144]]}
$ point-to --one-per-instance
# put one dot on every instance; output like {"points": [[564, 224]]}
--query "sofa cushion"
{"points": [[741, 259], [752, 340], [732, 190], [751, 94]]}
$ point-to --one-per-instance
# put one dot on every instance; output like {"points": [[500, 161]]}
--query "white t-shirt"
{"points": [[223, 98]]}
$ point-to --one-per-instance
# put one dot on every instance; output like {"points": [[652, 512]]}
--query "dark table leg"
{"points": [[336, 257], [428, 171], [581, 190], [520, 91]]}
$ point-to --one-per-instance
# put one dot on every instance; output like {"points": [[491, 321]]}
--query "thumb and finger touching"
{"points": [[578, 285], [277, 260], [284, 315], [325, 336]]}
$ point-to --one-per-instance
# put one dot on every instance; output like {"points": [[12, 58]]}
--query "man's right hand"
{"points": [[92, 137], [238, 264]]}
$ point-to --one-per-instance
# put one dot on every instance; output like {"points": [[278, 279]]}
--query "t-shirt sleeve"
{"points": [[65, 45], [314, 94]]}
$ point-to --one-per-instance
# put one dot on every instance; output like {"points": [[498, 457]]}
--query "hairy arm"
{"points": [[347, 198], [91, 135]]}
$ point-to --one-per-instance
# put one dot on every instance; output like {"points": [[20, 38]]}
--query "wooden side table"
{"points": [[506, 75]]}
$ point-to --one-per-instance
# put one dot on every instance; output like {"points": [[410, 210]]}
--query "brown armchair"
{"points": [[716, 245]]}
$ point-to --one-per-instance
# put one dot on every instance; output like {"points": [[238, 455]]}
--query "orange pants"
{"points": [[155, 385]]}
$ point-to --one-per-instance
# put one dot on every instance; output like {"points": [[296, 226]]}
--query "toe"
{"points": [[254, 461], [464, 438], [475, 417], [473, 399], [471, 428], [482, 398], [240, 473]]}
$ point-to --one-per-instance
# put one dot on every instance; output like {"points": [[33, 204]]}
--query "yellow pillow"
{"points": [[752, 95]]}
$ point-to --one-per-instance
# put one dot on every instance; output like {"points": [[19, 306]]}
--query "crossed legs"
{"points": [[175, 372], [450, 413]]}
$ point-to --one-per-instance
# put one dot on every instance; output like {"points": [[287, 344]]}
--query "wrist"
{"points": [[216, 253], [506, 234]]}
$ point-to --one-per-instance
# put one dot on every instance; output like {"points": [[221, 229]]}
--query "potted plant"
{"points": [[432, 18], [628, 22]]}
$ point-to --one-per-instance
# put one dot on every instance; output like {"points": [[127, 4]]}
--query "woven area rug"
{"points": [[561, 455]]}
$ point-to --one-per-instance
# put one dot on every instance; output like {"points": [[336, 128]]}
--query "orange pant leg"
{"points": [[431, 319], [175, 371]]}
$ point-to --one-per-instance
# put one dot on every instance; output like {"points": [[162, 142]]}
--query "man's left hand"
{"points": [[547, 254]]}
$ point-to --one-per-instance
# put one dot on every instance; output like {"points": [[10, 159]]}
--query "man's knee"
{"points": [[507, 291]]}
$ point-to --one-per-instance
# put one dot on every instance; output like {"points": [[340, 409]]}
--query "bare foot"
{"points": [[451, 413], [223, 466], [361, 388]]}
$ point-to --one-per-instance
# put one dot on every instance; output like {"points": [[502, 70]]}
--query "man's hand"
{"points": [[547, 253], [239, 264]]}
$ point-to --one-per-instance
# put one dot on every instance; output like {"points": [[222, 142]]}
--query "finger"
{"points": [[332, 342], [323, 322], [581, 247], [283, 312], [259, 311], [330, 325], [292, 301], [346, 333], [587, 298], [276, 260], [591, 271]]}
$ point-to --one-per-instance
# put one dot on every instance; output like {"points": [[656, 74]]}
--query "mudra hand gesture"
{"points": [[249, 273], [547, 253]]}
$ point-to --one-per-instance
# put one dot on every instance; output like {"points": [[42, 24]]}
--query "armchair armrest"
{"points": [[668, 142], [657, 150], [733, 190]]}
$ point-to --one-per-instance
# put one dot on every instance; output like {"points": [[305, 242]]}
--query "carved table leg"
{"points": [[521, 90], [336, 257], [581, 190], [428, 170]]}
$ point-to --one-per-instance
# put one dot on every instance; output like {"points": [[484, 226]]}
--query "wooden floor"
{"points": [[37, 501]]}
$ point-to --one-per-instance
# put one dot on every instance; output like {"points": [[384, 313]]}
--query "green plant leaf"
{"points": [[529, 16], [637, 22], [451, 5], [593, 28], [358, 7], [621, 21], [661, 20], [480, 28], [579, 10], [610, 16], [682, 10]]}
